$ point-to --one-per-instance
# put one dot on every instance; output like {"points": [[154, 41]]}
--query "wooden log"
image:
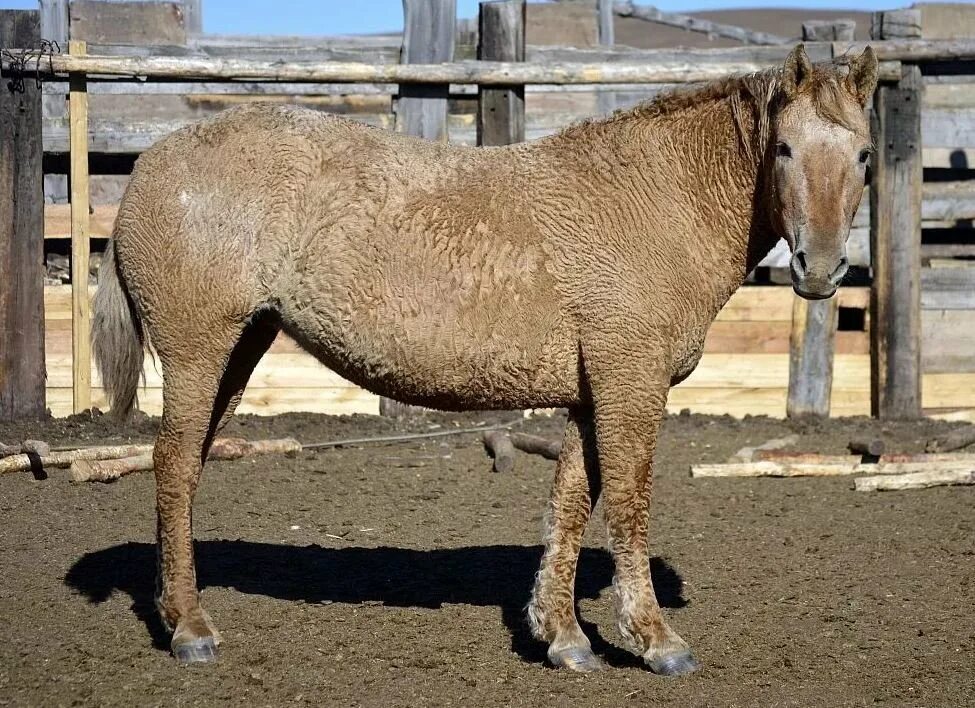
{"points": [[108, 470], [37, 447], [22, 463], [535, 445], [428, 38], [895, 208], [694, 67], [501, 111], [768, 468], [22, 384], [912, 50], [830, 466], [867, 446], [695, 24], [221, 449], [791, 458], [80, 234], [811, 349], [54, 28], [954, 440], [829, 30], [913, 467], [498, 445], [917, 480]]}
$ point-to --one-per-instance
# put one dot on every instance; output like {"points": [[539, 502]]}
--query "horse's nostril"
{"points": [[837, 275], [799, 263]]}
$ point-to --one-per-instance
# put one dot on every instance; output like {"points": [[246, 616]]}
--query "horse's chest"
{"points": [[687, 354]]}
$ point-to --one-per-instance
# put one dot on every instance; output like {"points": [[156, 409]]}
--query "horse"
{"points": [[578, 271]]}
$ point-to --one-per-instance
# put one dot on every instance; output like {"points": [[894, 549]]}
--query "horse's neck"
{"points": [[720, 180]]}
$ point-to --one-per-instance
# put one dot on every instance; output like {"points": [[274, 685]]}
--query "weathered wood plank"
{"points": [[606, 28], [428, 38], [905, 23], [828, 30], [193, 18], [54, 27], [695, 24], [21, 232], [947, 341], [948, 288], [80, 238], [896, 249], [501, 111], [139, 23], [811, 356]]}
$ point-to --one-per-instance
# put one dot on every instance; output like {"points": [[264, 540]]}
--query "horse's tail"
{"points": [[117, 337]]}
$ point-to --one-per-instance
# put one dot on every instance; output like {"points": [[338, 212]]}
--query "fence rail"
{"points": [[225, 65]]}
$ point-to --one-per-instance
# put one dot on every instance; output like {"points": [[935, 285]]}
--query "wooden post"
{"points": [[811, 348], [21, 231], [501, 111], [606, 100], [80, 230], [428, 38], [895, 238], [829, 30], [54, 28], [193, 17]]}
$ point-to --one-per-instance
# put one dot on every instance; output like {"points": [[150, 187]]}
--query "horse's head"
{"points": [[820, 150]]}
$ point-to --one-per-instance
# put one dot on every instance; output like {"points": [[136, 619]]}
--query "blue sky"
{"points": [[311, 17]]}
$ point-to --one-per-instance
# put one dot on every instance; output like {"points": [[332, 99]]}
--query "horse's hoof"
{"points": [[579, 659], [196, 651], [677, 664]]}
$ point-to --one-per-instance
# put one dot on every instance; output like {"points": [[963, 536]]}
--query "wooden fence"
{"points": [[424, 83]]}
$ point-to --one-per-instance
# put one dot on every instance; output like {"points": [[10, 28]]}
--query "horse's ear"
{"points": [[796, 71], [862, 79]]}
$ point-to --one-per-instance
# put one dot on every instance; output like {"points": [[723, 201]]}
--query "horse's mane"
{"points": [[754, 100]]}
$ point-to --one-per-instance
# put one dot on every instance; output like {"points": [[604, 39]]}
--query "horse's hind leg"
{"points": [[203, 382], [252, 345], [552, 611]]}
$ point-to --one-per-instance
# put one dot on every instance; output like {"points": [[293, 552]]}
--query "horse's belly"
{"points": [[446, 363]]}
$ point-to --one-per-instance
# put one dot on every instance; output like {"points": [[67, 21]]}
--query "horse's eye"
{"points": [[783, 150], [864, 156]]}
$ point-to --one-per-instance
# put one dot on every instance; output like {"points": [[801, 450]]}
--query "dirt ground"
{"points": [[396, 576]]}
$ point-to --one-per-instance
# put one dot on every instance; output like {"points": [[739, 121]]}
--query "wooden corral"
{"points": [[746, 365]]}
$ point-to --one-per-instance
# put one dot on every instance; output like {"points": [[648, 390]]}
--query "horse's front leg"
{"points": [[552, 609], [629, 394]]}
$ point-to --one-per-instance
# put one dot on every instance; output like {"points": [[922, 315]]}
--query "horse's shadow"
{"points": [[482, 576]]}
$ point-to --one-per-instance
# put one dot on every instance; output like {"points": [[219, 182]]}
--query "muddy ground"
{"points": [[395, 576]]}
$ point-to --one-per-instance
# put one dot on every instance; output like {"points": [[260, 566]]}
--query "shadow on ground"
{"points": [[481, 575]]}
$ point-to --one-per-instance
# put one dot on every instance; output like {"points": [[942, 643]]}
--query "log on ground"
{"points": [[955, 440], [108, 470], [498, 445], [916, 480], [536, 445]]}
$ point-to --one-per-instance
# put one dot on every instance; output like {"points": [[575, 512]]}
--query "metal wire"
{"points": [[20, 63]]}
